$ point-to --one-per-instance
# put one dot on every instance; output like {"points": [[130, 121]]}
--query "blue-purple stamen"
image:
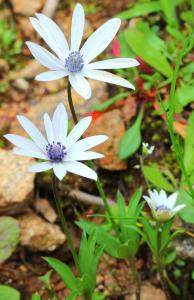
{"points": [[56, 151], [74, 62], [162, 208]]}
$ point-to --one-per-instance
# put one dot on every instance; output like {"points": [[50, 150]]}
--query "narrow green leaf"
{"points": [[153, 174], [144, 48], [189, 145], [64, 272], [131, 139], [106, 104], [140, 9]]}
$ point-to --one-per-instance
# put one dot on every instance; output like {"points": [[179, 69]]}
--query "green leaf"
{"points": [[106, 104], [141, 44], [46, 279], [8, 293], [140, 9], [36, 296], [9, 237], [123, 251], [103, 238], [189, 145], [153, 174], [64, 272], [188, 212], [170, 257], [131, 139], [183, 96]]}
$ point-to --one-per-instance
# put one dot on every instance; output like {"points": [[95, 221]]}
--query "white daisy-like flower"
{"points": [[74, 62], [163, 207], [61, 151]]}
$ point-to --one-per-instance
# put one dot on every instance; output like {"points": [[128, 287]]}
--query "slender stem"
{"points": [[98, 183], [64, 223], [159, 263], [70, 100], [136, 277]]}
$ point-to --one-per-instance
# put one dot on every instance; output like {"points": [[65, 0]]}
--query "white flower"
{"points": [[62, 152], [147, 149], [163, 208], [73, 61]]}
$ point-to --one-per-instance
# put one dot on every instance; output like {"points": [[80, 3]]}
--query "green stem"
{"points": [[160, 266], [64, 223], [71, 106], [170, 115], [136, 277], [98, 183]]}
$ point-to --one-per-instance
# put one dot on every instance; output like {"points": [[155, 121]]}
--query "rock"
{"points": [[48, 104], [29, 71], [184, 248], [111, 124], [39, 235], [16, 183], [147, 292], [26, 7], [21, 84], [43, 207]]}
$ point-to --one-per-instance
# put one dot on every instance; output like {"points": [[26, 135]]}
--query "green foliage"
{"points": [[89, 255], [126, 218], [141, 9], [151, 51], [188, 212], [154, 175], [131, 139], [10, 44], [36, 296], [8, 293], [9, 237], [106, 104]]}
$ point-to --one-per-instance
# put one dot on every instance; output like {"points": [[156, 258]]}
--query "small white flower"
{"points": [[62, 152], [147, 149], [73, 61], [163, 208]]}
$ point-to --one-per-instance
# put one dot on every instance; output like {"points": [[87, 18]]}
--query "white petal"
{"points": [[80, 169], [77, 27], [100, 39], [44, 57], [60, 124], [78, 130], [80, 85], [163, 198], [29, 153], [22, 142], [178, 208], [41, 167], [83, 156], [59, 170], [150, 202], [115, 63], [107, 77], [88, 143], [172, 200], [51, 75], [48, 128], [53, 36], [33, 132]]}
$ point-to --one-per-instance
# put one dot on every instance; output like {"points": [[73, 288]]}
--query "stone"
{"points": [[147, 292], [29, 71], [43, 207], [185, 248], [21, 84], [16, 183], [111, 124], [48, 104], [39, 235], [26, 7]]}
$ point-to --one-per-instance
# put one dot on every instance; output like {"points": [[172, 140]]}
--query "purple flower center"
{"points": [[162, 208], [56, 151], [74, 62]]}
